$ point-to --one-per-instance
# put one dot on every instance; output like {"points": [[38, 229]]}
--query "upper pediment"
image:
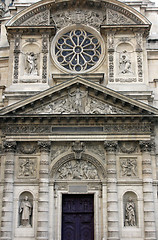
{"points": [[64, 13], [78, 96]]}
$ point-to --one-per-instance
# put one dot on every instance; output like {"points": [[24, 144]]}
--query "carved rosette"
{"points": [[44, 146], [9, 146], [111, 146], [147, 146]]}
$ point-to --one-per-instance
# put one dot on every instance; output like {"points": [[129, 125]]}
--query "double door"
{"points": [[78, 217]]}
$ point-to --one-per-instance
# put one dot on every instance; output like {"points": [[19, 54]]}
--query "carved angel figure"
{"points": [[31, 63], [124, 63], [130, 218]]}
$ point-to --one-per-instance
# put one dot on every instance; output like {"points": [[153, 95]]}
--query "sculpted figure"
{"points": [[130, 218], [124, 63], [31, 63], [26, 211]]}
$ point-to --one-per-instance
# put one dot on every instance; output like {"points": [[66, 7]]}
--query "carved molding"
{"points": [[111, 146], [44, 146], [146, 146], [9, 146]]}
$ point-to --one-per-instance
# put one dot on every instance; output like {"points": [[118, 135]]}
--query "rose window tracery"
{"points": [[78, 50]]}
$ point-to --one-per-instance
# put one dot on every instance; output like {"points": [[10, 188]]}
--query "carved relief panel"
{"points": [[27, 168], [128, 167]]}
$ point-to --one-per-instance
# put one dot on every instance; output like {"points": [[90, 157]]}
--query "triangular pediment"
{"points": [[78, 96]]}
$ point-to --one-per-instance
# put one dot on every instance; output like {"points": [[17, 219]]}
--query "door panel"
{"points": [[78, 217]]}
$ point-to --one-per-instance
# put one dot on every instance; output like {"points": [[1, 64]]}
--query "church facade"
{"points": [[78, 120]]}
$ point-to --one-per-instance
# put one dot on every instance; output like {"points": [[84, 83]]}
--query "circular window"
{"points": [[77, 50]]}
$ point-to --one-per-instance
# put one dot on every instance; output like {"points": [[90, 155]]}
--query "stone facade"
{"points": [[78, 120]]}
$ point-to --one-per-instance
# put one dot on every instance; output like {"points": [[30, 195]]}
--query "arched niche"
{"points": [[130, 208], [125, 60], [30, 60], [25, 210], [88, 168]]}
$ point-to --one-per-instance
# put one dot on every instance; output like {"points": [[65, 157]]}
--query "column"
{"points": [[8, 192], [43, 198], [112, 195], [146, 148]]}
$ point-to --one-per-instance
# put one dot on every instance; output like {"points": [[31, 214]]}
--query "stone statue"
{"points": [[31, 64], [130, 217], [25, 212], [124, 63]]}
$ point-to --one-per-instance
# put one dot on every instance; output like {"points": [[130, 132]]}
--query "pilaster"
{"points": [[149, 214], [112, 195], [43, 200], [8, 191]]}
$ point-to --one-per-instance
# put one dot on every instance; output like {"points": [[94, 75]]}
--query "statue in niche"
{"points": [[31, 64], [25, 212], [130, 217], [124, 63]]}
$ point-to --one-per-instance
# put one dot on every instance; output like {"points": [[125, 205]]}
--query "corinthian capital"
{"points": [[110, 146], [44, 146], [146, 146], [9, 146]]}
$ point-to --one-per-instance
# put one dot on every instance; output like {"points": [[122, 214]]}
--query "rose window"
{"points": [[77, 50]]}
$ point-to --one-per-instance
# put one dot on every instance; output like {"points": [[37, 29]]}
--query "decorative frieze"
{"points": [[114, 17], [124, 128]]}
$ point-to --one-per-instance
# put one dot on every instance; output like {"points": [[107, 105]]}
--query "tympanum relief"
{"points": [[77, 170], [128, 167], [78, 102]]}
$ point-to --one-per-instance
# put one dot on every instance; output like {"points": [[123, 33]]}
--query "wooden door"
{"points": [[78, 217]]}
